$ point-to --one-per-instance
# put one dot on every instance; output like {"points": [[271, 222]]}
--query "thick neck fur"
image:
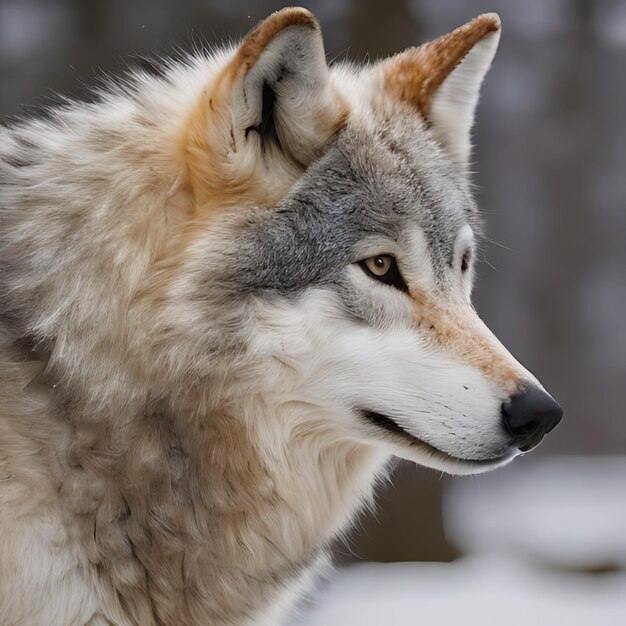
{"points": [[191, 517], [191, 504]]}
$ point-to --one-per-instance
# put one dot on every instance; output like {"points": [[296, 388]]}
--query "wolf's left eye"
{"points": [[385, 269], [466, 260]]}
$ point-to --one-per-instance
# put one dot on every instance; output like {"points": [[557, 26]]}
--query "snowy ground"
{"points": [[529, 532], [562, 511], [481, 591]]}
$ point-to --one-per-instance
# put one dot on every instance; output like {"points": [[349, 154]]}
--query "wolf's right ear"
{"points": [[272, 108], [442, 80]]}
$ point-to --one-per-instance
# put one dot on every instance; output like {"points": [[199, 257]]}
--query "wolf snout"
{"points": [[529, 415]]}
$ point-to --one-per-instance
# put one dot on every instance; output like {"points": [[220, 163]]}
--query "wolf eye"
{"points": [[379, 265], [465, 260], [385, 269]]}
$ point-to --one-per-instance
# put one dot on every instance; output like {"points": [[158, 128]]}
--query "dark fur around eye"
{"points": [[393, 278], [465, 260]]}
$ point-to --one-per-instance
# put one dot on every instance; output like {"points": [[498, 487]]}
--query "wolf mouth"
{"points": [[392, 427]]}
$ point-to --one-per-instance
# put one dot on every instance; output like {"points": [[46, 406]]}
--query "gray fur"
{"points": [[362, 185]]}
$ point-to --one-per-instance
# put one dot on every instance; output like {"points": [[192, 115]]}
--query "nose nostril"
{"points": [[529, 415]]}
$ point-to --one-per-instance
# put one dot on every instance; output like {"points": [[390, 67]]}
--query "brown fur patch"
{"points": [[415, 75], [258, 39], [207, 143], [459, 329]]}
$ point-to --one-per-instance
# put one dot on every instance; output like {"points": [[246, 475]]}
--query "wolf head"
{"points": [[359, 262], [260, 235]]}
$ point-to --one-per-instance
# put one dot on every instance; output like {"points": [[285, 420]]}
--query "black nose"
{"points": [[529, 415]]}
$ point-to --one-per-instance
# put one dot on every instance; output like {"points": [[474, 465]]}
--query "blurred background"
{"points": [[545, 539]]}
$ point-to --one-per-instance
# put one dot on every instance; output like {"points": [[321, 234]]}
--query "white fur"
{"points": [[430, 393]]}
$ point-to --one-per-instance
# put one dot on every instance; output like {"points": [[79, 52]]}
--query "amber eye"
{"points": [[385, 269], [379, 265], [465, 260]]}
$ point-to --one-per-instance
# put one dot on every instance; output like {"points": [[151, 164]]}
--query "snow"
{"points": [[530, 532], [477, 591], [563, 511]]}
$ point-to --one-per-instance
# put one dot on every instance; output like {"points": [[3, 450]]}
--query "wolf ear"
{"points": [[281, 85], [267, 114], [442, 80]]}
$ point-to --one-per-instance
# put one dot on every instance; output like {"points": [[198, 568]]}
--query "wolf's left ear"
{"points": [[442, 80], [271, 109]]}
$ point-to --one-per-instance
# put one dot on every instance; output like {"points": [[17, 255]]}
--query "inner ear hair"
{"points": [[281, 87], [286, 78], [274, 96], [441, 80], [267, 126]]}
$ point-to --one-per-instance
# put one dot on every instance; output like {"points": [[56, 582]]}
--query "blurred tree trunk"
{"points": [[568, 167], [380, 28], [406, 524]]}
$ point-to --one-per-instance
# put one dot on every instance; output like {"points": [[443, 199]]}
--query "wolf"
{"points": [[230, 292]]}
